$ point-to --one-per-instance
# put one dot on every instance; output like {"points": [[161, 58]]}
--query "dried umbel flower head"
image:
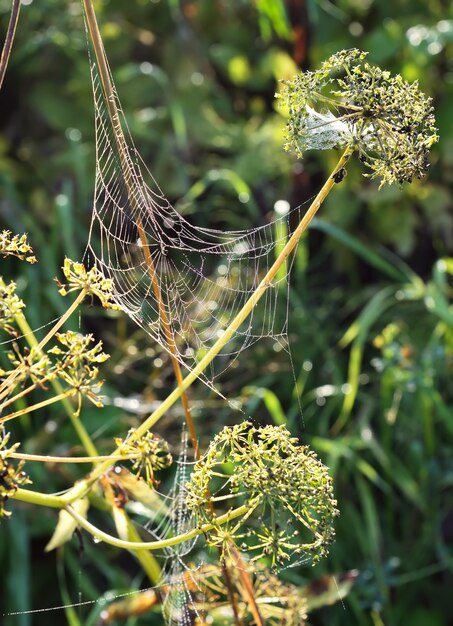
{"points": [[92, 281], [11, 476], [279, 602], [287, 489], [16, 245], [348, 102], [151, 453]]}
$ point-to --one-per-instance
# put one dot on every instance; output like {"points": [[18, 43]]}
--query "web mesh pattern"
{"points": [[182, 284]]}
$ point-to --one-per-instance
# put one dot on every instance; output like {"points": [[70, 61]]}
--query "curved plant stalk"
{"points": [[13, 20], [155, 545], [248, 307]]}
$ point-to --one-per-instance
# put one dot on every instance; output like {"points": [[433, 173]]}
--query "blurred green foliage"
{"points": [[371, 315]]}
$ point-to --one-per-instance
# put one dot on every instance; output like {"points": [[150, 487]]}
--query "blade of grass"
{"points": [[381, 301]]}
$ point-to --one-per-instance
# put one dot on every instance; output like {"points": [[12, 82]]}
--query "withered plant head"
{"points": [[288, 490], [348, 102], [11, 475]]}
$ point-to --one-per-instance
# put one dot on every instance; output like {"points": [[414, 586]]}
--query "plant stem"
{"points": [[41, 499], [80, 298], [44, 458], [14, 18], [39, 405], [155, 545], [21, 394], [248, 307]]}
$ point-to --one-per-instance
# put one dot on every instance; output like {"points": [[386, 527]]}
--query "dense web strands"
{"points": [[179, 581], [182, 284]]}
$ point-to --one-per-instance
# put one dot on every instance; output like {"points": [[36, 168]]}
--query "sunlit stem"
{"points": [[38, 498], [128, 172], [44, 458], [21, 394], [246, 310], [39, 405], [156, 545], [169, 337]]}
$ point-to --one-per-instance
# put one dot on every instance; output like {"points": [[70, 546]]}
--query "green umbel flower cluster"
{"points": [[152, 454], [287, 489], [348, 102], [11, 475]]}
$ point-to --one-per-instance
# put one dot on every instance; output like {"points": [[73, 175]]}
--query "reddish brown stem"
{"points": [[14, 18]]}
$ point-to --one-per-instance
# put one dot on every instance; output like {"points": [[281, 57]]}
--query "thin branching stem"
{"points": [[22, 393], [39, 405]]}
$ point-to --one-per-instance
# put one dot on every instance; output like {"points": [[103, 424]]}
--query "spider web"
{"points": [[181, 283], [179, 581]]}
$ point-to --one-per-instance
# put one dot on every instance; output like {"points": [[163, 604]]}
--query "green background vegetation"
{"points": [[197, 82]]}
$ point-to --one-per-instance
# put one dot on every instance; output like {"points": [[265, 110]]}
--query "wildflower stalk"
{"points": [[38, 405], [45, 458], [155, 545], [9, 39], [248, 307]]}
